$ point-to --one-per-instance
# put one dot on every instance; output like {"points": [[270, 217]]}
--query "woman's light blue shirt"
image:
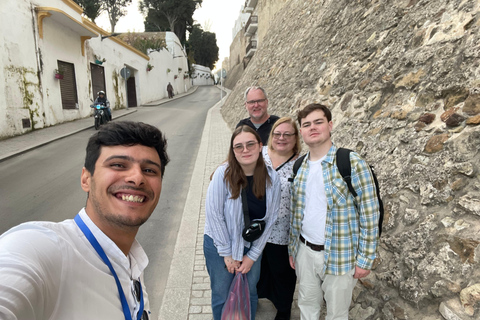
{"points": [[224, 221]]}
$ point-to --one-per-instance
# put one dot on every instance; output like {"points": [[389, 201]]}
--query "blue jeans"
{"points": [[220, 278]]}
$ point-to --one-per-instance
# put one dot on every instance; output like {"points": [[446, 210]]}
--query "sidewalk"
{"points": [[187, 292], [19, 144]]}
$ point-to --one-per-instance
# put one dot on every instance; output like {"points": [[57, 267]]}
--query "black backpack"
{"points": [[345, 168]]}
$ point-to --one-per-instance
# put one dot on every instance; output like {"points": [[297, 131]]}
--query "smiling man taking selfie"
{"points": [[90, 267]]}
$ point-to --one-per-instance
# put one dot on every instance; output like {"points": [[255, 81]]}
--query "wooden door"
{"points": [[131, 92], [68, 85]]}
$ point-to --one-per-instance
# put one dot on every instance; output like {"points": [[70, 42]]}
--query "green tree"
{"points": [[155, 22], [172, 15], [115, 10], [204, 46], [91, 8]]}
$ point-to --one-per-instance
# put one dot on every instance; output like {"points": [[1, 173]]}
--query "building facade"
{"points": [[54, 61], [201, 76], [250, 27]]}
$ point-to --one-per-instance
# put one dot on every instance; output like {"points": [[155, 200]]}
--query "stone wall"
{"points": [[402, 78], [266, 10]]}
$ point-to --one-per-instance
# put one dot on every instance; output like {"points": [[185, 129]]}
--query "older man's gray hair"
{"points": [[254, 88]]}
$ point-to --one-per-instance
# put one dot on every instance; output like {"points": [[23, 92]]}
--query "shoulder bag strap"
{"points": [[280, 166], [246, 215]]}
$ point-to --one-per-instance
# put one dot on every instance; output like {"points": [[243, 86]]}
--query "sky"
{"points": [[217, 16]]}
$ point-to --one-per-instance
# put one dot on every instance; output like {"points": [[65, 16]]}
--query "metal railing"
{"points": [[252, 19], [250, 4], [252, 45]]}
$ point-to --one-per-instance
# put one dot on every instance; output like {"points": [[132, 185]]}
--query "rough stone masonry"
{"points": [[402, 78]]}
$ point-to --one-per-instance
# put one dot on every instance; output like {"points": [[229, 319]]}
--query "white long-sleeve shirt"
{"points": [[224, 220], [50, 271]]}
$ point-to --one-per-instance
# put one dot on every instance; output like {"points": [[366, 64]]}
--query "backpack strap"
{"points": [[345, 168], [296, 166], [343, 165]]}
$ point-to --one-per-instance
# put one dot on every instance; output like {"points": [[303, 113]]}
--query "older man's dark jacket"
{"points": [[264, 130]]}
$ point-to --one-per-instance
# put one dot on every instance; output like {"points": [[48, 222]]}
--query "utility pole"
{"points": [[223, 75]]}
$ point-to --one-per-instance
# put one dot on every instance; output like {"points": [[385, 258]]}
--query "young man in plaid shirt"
{"points": [[333, 237]]}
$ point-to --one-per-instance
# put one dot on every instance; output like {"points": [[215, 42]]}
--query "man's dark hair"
{"points": [[313, 107], [126, 133]]}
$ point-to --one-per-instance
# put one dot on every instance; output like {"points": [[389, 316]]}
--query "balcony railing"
{"points": [[251, 25], [250, 5], [251, 48], [246, 60]]}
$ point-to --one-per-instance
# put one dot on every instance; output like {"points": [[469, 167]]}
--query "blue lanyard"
{"points": [[93, 241]]}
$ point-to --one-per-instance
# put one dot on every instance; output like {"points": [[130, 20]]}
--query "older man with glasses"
{"points": [[256, 103]]}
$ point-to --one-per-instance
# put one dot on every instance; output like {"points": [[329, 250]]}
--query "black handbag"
{"points": [[253, 229]]}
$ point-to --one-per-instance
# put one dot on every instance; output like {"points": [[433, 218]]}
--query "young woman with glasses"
{"points": [[225, 250], [277, 279]]}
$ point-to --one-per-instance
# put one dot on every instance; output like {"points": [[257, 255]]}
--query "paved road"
{"points": [[44, 183]]}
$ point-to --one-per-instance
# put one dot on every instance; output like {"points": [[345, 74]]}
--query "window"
{"points": [[68, 85]]}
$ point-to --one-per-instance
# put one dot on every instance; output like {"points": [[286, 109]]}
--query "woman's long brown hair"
{"points": [[234, 175]]}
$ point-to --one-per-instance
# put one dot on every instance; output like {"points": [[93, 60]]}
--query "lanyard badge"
{"points": [[141, 315]]}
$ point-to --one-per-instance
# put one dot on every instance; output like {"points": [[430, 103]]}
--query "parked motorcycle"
{"points": [[100, 115]]}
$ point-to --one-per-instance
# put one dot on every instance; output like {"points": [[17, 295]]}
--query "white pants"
{"points": [[313, 288]]}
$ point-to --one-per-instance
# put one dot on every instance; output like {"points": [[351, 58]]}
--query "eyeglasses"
{"points": [[238, 148], [136, 292], [252, 102], [285, 135]]}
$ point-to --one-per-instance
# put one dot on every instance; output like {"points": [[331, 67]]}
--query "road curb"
{"points": [[54, 138], [67, 133]]}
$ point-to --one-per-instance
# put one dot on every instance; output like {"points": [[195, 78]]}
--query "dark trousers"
{"points": [[277, 278]]}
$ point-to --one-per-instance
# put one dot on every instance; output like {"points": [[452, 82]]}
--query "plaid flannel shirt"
{"points": [[351, 231]]}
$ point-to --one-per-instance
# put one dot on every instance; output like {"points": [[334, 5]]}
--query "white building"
{"points": [[40, 37], [240, 22], [201, 76]]}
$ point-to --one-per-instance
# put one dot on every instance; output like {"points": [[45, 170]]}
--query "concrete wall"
{"points": [[61, 43], [237, 50], [202, 76], [150, 85], [178, 66], [29, 89], [19, 85]]}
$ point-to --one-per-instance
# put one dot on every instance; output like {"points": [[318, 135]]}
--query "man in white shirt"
{"points": [[90, 267], [332, 243]]}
